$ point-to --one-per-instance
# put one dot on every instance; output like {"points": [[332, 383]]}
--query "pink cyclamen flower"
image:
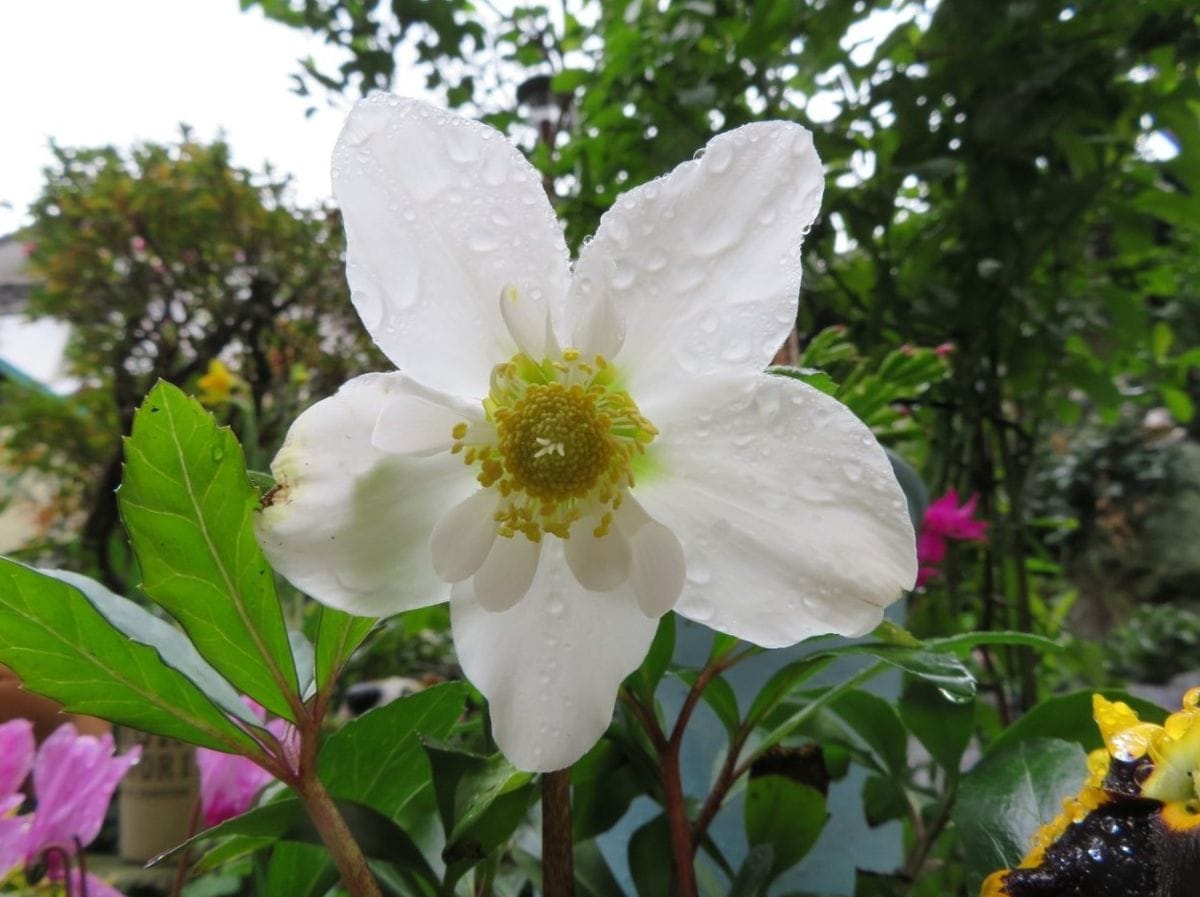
{"points": [[229, 783], [74, 777], [946, 519]]}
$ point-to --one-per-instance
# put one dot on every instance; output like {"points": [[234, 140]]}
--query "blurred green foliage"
{"points": [[164, 258]]}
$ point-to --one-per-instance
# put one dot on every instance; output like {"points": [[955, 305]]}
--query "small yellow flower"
{"points": [[217, 384]]}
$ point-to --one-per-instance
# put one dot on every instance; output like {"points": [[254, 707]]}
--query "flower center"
{"points": [[560, 444]]}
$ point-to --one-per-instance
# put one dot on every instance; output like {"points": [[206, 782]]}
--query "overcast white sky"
{"points": [[91, 72]]}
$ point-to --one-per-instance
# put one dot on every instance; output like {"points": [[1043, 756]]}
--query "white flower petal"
{"points": [[507, 572], [350, 524], [418, 421], [599, 564], [792, 521], [600, 329], [704, 264], [550, 667], [657, 570], [463, 537], [527, 321], [441, 213]]}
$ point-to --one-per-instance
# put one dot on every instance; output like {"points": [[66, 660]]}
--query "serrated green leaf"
{"points": [[338, 635], [378, 759], [172, 646], [61, 646], [187, 505]]}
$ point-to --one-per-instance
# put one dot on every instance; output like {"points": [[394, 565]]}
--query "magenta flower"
{"points": [[946, 519], [74, 777], [229, 783]]}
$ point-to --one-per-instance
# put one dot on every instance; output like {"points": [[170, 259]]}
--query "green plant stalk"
{"points": [[558, 860], [339, 841]]}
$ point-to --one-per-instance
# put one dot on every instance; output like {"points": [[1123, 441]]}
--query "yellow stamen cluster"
{"points": [[561, 443]]}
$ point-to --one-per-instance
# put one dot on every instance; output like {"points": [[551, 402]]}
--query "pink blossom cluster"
{"points": [[946, 519], [74, 777]]}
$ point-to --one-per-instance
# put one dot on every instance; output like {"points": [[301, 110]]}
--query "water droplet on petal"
{"points": [[556, 607], [718, 157], [700, 610], [460, 147], [709, 323], [623, 274], [852, 471], [655, 260], [483, 241]]}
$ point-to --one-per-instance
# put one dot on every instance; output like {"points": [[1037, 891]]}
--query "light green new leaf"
{"points": [[338, 634], [378, 759], [188, 505], [62, 646]]}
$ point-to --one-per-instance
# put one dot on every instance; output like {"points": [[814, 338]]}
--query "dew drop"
{"points": [[718, 157], [655, 260], [709, 323], [483, 241], [624, 275], [735, 351], [852, 471], [218, 453], [556, 607], [698, 573], [460, 147], [766, 215], [701, 611]]}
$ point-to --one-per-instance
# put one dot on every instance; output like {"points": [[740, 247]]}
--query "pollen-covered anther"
{"points": [[561, 442]]}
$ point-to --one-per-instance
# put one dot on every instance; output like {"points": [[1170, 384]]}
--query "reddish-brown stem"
{"points": [[677, 821], [558, 861]]}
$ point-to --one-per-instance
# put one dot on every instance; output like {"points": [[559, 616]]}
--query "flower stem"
{"points": [[558, 860], [677, 821], [347, 855]]}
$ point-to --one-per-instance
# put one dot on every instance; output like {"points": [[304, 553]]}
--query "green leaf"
{"points": [[786, 815], [786, 680], [287, 820], [172, 646], [593, 877], [815, 378], [882, 800], [603, 785], [717, 694], [1008, 796], [54, 637], [1179, 403], [755, 872], [939, 668], [304, 658], [299, 870], [188, 506], [481, 800], [876, 722], [338, 635], [378, 759], [968, 640], [944, 727], [649, 854], [1069, 718], [658, 658], [1161, 338]]}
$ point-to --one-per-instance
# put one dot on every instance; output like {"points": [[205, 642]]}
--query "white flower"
{"points": [[568, 453]]}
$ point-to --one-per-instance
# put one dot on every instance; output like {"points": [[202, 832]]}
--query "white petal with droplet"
{"points": [[705, 280], [600, 563], [781, 542], [550, 666], [425, 258]]}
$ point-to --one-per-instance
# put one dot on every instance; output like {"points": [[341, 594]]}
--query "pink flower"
{"points": [[137, 244], [74, 777], [946, 519], [229, 783], [944, 349]]}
